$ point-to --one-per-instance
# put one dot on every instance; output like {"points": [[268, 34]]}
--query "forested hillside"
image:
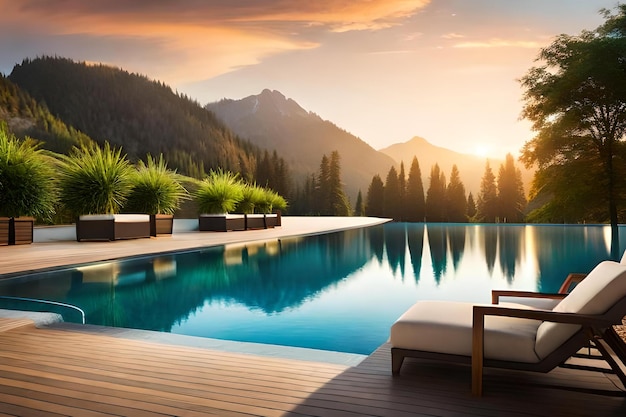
{"points": [[141, 115], [26, 117]]}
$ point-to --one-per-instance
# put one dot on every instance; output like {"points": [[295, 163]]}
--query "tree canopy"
{"points": [[576, 99]]}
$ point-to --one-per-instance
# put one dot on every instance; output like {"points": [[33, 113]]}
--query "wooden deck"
{"points": [[57, 372]]}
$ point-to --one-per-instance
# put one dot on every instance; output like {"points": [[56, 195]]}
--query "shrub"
{"points": [[219, 193], [156, 189], [253, 195], [271, 200], [27, 186], [95, 180]]}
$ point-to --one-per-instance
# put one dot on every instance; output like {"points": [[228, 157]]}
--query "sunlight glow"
{"points": [[482, 150]]}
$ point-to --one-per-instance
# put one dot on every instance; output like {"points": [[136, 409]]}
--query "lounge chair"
{"points": [[518, 336], [112, 226], [221, 222]]}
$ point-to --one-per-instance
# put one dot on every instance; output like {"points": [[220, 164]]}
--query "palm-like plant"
{"points": [[95, 180], [27, 186], [219, 193], [156, 189]]}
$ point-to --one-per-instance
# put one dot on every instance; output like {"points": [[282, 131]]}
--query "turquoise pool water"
{"points": [[339, 291]]}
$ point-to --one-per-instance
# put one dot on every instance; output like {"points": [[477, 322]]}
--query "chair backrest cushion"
{"points": [[596, 294]]}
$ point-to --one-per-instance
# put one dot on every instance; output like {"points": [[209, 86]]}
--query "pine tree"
{"points": [[471, 207], [375, 197], [414, 201], [436, 196], [323, 201], [511, 197], [339, 203], [392, 204], [487, 206], [359, 207], [456, 207], [402, 185]]}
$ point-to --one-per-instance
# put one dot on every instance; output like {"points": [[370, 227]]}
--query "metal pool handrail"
{"points": [[56, 303]]}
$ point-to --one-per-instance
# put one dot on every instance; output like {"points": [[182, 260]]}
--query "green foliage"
{"points": [[511, 196], [392, 205], [375, 197], [156, 189], [456, 207], [219, 193], [142, 115], [487, 206], [252, 196], [27, 118], [415, 202], [271, 201], [359, 207], [27, 185], [436, 196], [576, 100], [95, 180]]}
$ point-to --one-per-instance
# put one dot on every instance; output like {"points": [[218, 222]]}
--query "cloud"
{"points": [[452, 36], [500, 43], [203, 38]]}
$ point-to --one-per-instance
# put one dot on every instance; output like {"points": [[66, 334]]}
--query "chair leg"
{"points": [[478, 341], [397, 358], [612, 349]]}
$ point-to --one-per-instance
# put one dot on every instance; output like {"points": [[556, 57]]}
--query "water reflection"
{"points": [[354, 280]]}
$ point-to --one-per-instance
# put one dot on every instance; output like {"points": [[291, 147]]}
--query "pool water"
{"points": [[338, 291]]}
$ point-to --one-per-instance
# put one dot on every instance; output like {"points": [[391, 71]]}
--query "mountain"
{"points": [[140, 115], [26, 117], [274, 122], [471, 167]]}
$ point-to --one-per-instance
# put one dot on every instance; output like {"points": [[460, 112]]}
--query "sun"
{"points": [[482, 150]]}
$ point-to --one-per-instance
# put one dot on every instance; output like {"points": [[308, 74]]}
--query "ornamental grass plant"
{"points": [[156, 189], [271, 201], [219, 193], [95, 180], [252, 196], [27, 186]]}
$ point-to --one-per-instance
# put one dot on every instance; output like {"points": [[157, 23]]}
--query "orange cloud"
{"points": [[499, 43], [207, 38]]}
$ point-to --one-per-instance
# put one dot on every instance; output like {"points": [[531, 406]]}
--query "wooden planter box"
{"points": [[22, 231], [4, 231], [161, 224]]}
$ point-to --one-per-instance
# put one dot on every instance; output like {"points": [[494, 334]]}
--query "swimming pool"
{"points": [[338, 291]]}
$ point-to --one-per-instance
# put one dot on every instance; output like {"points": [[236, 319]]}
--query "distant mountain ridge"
{"points": [[274, 122], [471, 167]]}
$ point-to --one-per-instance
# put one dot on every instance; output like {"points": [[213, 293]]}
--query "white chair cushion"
{"points": [[596, 294], [446, 327], [89, 217]]}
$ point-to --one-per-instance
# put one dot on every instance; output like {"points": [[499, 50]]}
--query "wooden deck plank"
{"points": [[46, 371]]}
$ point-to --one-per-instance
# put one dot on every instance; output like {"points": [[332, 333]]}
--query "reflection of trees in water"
{"points": [[270, 276], [438, 248], [562, 249], [395, 243], [376, 237], [456, 240], [510, 248], [415, 236], [490, 240]]}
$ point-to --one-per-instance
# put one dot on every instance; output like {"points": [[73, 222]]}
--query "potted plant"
{"points": [[95, 183], [272, 205], [157, 191], [27, 188], [216, 196]]}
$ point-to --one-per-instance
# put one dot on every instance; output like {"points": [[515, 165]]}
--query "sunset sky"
{"points": [[384, 70]]}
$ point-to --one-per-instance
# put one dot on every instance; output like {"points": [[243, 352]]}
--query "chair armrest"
{"points": [[496, 294], [478, 331], [573, 278]]}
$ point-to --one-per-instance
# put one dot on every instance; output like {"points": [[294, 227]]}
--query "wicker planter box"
{"points": [[112, 226], [221, 222], [161, 224]]}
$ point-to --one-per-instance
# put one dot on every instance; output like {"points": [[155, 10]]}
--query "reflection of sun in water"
{"points": [[482, 150]]}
